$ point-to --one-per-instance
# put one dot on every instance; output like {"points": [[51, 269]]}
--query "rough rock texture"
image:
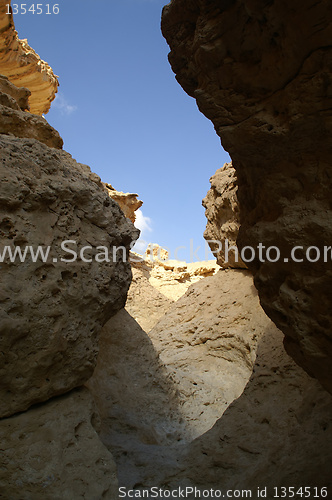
{"points": [[19, 94], [223, 217], [207, 341], [166, 371], [53, 452], [20, 63], [128, 202], [51, 312], [278, 433], [261, 71], [19, 123], [170, 277]]}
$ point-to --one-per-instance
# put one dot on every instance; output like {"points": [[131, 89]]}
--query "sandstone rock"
{"points": [[207, 341], [157, 389], [146, 302], [20, 123], [128, 202], [53, 452], [278, 433], [23, 67], [223, 217], [19, 94], [170, 277], [261, 73], [51, 311]]}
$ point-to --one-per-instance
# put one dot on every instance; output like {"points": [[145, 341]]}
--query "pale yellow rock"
{"points": [[19, 94], [278, 433], [128, 202], [171, 277], [24, 68]]}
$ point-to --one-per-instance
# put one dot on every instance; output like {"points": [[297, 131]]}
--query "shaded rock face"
{"points": [[53, 452], [51, 310], [15, 121], [18, 97], [223, 217], [168, 370], [262, 73], [166, 381], [24, 68], [278, 433], [207, 340]]}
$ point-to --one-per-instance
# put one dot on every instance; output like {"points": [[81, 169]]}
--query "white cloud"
{"points": [[61, 103], [144, 224]]}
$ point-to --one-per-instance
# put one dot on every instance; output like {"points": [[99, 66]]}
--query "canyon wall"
{"points": [[52, 304], [261, 71], [24, 68]]}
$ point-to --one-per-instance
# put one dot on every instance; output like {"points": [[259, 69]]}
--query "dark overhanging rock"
{"points": [[262, 74]]}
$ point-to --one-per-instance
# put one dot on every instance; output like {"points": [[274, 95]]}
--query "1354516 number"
{"points": [[37, 8]]}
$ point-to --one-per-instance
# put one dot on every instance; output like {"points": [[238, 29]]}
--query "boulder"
{"points": [[53, 305]]}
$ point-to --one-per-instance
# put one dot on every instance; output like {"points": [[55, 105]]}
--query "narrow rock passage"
{"points": [[160, 388]]}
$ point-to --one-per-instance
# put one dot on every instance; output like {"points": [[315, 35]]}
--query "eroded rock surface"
{"points": [[24, 68], [53, 452], [207, 340], [223, 217], [52, 310], [167, 371], [20, 95], [128, 202], [262, 73], [171, 278], [15, 121], [278, 433]]}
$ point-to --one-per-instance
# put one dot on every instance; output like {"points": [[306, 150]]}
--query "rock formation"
{"points": [[128, 202], [168, 368], [278, 433], [24, 68], [15, 121], [170, 277], [52, 308], [262, 73], [166, 383], [52, 311], [223, 217], [53, 452]]}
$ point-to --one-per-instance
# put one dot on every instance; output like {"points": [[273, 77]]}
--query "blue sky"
{"points": [[121, 111]]}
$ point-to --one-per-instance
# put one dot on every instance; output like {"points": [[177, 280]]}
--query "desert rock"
{"points": [[278, 433], [17, 122], [261, 73], [53, 452], [52, 311], [223, 217], [128, 202], [168, 370], [23, 67]]}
